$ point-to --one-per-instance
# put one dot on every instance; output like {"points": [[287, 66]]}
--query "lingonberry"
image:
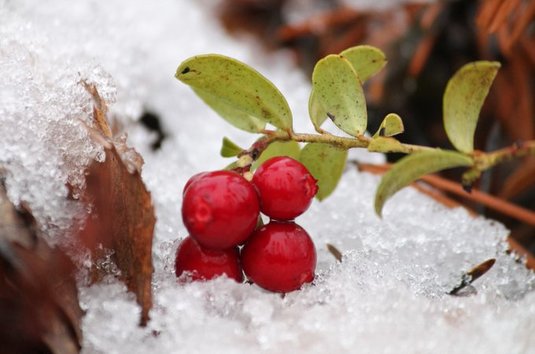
{"points": [[220, 209], [279, 257], [285, 186], [204, 264], [192, 179]]}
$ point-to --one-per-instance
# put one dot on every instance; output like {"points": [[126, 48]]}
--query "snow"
{"points": [[387, 296]]}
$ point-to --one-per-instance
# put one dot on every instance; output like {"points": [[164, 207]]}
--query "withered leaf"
{"points": [[472, 275], [334, 251], [39, 307], [122, 215]]}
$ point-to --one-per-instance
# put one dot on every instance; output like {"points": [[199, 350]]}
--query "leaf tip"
{"points": [[229, 148], [379, 212], [378, 206]]}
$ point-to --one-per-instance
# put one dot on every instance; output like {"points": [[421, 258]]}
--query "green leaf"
{"points": [[326, 163], [464, 96], [390, 126], [384, 144], [229, 112], [336, 87], [278, 148], [412, 167], [236, 91], [316, 111], [231, 166], [366, 60], [229, 148]]}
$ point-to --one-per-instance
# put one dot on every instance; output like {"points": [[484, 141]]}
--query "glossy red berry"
{"points": [[279, 257], [205, 264], [220, 209], [285, 187], [192, 179]]}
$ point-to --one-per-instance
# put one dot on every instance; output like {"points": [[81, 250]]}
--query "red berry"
{"points": [[193, 178], [220, 210], [285, 186], [279, 257], [205, 264]]}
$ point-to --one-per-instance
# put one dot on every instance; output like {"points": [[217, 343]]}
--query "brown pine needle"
{"points": [[505, 10], [487, 11], [473, 274], [500, 205], [335, 252], [522, 21], [430, 15], [419, 59]]}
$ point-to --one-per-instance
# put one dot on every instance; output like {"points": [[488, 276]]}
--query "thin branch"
{"points": [[345, 143], [509, 153], [525, 215]]}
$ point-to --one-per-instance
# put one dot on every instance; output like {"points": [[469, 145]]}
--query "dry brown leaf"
{"points": [[122, 216], [472, 275], [39, 308], [100, 109]]}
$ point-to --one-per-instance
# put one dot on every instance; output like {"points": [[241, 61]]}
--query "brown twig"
{"points": [[457, 189], [518, 249], [482, 198]]}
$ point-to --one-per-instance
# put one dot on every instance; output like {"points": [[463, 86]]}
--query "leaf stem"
{"points": [[484, 161], [344, 143], [338, 141]]}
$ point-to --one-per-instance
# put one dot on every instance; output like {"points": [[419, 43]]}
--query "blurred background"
{"points": [[425, 43]]}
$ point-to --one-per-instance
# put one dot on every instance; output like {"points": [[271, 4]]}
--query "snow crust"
{"points": [[387, 296]]}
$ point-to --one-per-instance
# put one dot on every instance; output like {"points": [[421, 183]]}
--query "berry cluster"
{"points": [[221, 211]]}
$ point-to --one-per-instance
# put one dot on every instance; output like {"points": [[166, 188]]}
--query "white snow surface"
{"points": [[387, 296]]}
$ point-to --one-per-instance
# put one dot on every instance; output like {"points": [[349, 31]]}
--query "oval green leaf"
{"points": [[412, 167], [366, 60], [229, 148], [390, 126], [385, 144], [326, 163], [464, 96], [237, 118], [236, 91], [337, 89], [279, 148], [316, 112]]}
